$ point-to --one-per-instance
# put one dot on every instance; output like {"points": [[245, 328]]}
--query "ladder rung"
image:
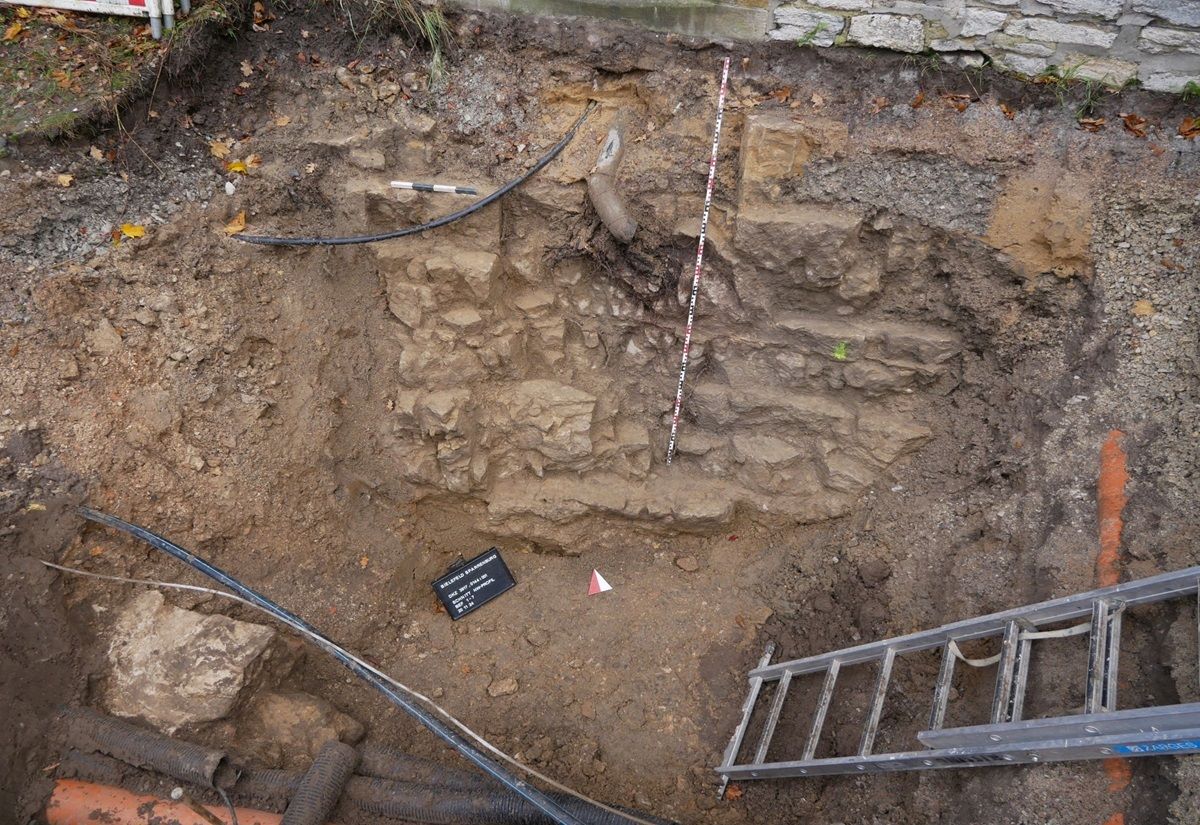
{"points": [[810, 747], [941, 693], [1097, 647], [764, 742], [881, 686]]}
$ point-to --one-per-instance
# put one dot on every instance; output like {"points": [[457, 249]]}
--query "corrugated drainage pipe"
{"points": [[94, 732], [322, 785]]}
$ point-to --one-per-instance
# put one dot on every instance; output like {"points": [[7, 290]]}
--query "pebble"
{"points": [[536, 636], [688, 564], [502, 687]]}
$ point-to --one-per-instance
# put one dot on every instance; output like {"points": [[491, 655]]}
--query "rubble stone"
{"points": [[295, 723], [888, 31], [173, 667]]}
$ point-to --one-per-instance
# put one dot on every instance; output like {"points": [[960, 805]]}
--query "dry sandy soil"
{"points": [[921, 320]]}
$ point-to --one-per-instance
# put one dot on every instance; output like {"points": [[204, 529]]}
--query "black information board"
{"points": [[473, 584]]}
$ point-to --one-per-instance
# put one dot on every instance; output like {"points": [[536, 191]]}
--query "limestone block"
{"points": [[719, 407], [875, 378], [442, 412], [476, 267], [814, 27], [844, 474], [1109, 71], [677, 502], [776, 146], [407, 301], [463, 319], [1107, 9], [812, 243], [861, 281], [886, 436], [1161, 40], [1020, 63], [1179, 12], [1051, 31], [765, 449], [978, 22], [173, 667], [534, 300], [552, 419], [1020, 45], [843, 5], [454, 457], [888, 31], [1167, 81]]}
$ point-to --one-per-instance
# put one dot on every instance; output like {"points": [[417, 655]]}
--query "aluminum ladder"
{"points": [[1100, 731]]}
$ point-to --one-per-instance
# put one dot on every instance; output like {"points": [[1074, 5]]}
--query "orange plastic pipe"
{"points": [[75, 802]]}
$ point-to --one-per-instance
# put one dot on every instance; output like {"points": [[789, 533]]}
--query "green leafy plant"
{"points": [[841, 351], [1191, 91]]}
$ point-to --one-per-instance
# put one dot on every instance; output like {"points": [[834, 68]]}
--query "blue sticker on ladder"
{"points": [[1160, 747]]}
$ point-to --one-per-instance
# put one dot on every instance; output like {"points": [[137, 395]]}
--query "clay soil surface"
{"points": [[256, 404]]}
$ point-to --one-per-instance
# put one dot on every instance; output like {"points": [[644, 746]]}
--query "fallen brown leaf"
{"points": [[1143, 308], [1190, 128], [96, 153], [782, 95], [247, 68], [282, 120], [253, 161], [237, 224], [219, 148], [65, 180], [959, 102], [879, 104], [918, 100], [1091, 124], [817, 100], [1008, 111], [734, 792], [238, 166], [1134, 124], [13, 31]]}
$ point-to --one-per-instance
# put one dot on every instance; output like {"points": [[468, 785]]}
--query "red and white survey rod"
{"points": [[708, 192]]}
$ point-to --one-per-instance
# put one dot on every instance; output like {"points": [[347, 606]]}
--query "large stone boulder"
{"points": [[173, 667]]}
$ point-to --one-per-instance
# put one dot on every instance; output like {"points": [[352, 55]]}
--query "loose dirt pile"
{"points": [[919, 322]]}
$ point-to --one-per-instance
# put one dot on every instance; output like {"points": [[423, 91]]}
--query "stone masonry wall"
{"points": [[1156, 42]]}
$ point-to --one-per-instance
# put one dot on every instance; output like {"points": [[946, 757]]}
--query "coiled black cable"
{"points": [[270, 240]]}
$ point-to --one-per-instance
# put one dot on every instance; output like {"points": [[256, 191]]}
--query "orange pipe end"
{"points": [[75, 802]]}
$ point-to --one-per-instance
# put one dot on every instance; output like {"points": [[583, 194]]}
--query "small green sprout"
{"points": [[840, 351]]}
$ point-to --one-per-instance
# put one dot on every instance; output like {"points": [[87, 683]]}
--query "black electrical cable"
{"points": [[270, 240], [535, 797]]}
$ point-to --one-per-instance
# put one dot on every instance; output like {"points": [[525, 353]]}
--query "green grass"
{"points": [[426, 23], [1191, 91]]}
